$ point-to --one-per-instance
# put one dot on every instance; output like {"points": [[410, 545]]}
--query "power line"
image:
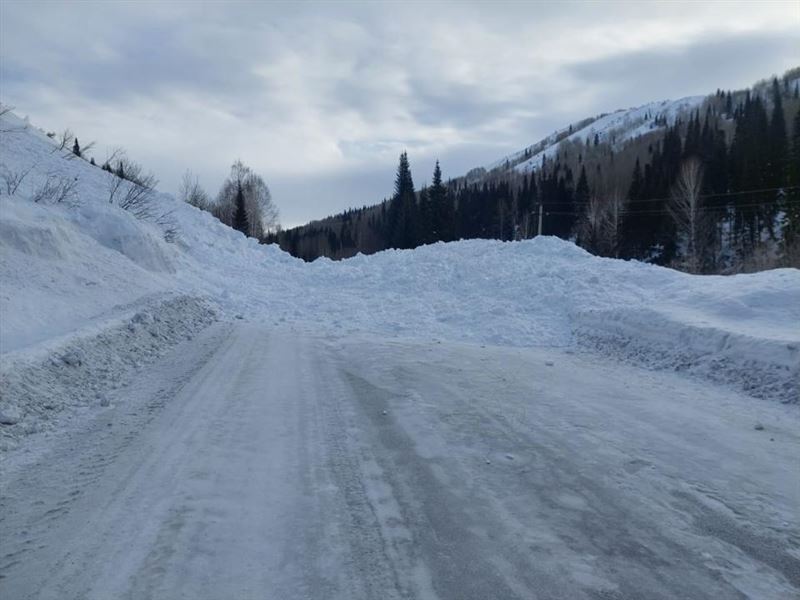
{"points": [[717, 195], [666, 211]]}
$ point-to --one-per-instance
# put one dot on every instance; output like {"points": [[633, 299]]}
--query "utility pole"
{"points": [[541, 207]]}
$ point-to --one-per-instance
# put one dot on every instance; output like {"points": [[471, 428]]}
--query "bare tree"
{"points": [[599, 227], [592, 225], [84, 150], [191, 192], [262, 214], [57, 190], [135, 192], [615, 208], [115, 154], [65, 140], [13, 179], [686, 210]]}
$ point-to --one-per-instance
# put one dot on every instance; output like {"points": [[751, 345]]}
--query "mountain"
{"points": [[608, 182]]}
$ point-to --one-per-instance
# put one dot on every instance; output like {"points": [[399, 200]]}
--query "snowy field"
{"points": [[467, 420]]}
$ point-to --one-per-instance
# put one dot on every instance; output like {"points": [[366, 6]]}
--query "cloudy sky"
{"points": [[320, 98]]}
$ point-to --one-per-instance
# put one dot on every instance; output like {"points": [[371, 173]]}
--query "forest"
{"points": [[716, 190]]}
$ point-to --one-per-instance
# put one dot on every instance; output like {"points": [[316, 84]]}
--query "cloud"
{"points": [[321, 97], [698, 68]]}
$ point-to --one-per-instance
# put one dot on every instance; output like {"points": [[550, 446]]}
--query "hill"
{"points": [[608, 183]]}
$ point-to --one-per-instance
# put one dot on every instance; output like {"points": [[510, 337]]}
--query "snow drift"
{"points": [[75, 273]]}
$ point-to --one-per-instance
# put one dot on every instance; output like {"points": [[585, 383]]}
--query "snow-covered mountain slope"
{"points": [[86, 274], [614, 128]]}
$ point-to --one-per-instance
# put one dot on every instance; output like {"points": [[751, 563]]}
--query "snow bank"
{"points": [[37, 391], [75, 277]]}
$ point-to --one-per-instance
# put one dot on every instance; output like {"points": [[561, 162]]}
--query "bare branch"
{"points": [[13, 179], [599, 228], [64, 140], [191, 192], [57, 190], [686, 210]]}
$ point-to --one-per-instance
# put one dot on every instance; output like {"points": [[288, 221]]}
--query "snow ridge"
{"points": [[614, 128]]}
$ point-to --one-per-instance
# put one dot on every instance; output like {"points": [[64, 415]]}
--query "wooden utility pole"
{"points": [[541, 210]]}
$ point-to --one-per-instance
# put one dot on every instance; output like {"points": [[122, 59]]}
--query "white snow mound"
{"points": [[73, 271]]}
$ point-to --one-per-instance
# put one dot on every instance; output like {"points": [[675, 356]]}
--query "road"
{"points": [[259, 463]]}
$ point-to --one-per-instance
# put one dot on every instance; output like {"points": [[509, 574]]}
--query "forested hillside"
{"points": [[705, 185]]}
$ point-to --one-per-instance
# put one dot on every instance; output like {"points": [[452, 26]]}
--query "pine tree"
{"points": [[240, 220], [76, 148], [442, 207], [778, 144], [582, 190], [425, 217], [791, 220], [402, 226]]}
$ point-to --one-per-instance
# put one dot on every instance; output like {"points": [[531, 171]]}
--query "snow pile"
{"points": [[741, 329], [74, 276], [38, 388]]}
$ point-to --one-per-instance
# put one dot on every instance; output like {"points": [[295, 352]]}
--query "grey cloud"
{"points": [[696, 69], [321, 97]]}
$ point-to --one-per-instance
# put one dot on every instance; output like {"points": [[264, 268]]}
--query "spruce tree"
{"points": [[791, 220], [442, 207], [402, 225], [778, 145], [240, 220], [582, 190], [426, 225]]}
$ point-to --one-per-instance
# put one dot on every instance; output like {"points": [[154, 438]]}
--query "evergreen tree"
{"points": [[402, 217], [791, 201], [442, 208], [240, 221], [582, 190], [76, 148], [794, 157], [778, 145], [425, 226], [749, 170]]}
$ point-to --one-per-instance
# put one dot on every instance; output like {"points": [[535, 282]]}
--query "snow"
{"points": [[261, 462], [73, 273], [213, 418], [615, 128]]}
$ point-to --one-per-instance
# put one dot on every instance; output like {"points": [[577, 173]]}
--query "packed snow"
{"points": [[80, 269], [214, 418], [260, 462]]}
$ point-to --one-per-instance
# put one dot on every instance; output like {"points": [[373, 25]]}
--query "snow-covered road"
{"points": [[256, 463]]}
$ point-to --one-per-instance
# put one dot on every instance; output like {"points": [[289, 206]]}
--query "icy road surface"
{"points": [[258, 464]]}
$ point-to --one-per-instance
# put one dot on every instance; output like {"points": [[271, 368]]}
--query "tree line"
{"points": [[244, 201], [717, 190]]}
